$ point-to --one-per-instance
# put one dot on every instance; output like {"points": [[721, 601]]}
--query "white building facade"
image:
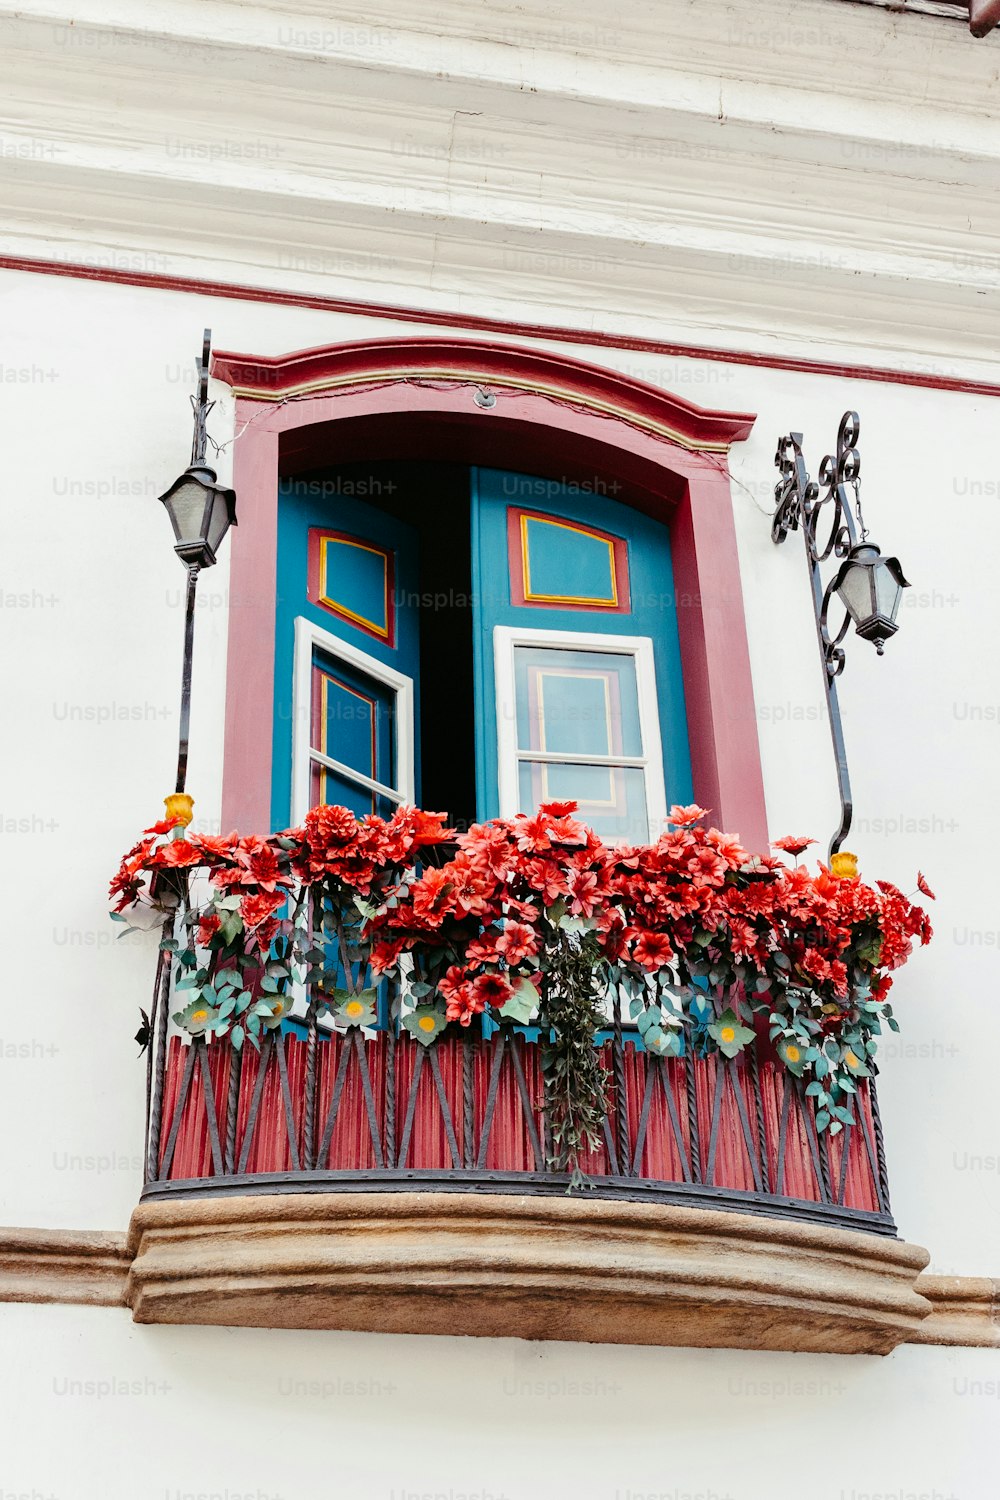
{"points": [[697, 227]]}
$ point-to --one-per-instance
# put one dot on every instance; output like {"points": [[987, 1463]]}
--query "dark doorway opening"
{"points": [[434, 498]]}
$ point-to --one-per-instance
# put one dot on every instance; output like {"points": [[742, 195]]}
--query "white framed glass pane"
{"points": [[357, 712], [576, 702]]}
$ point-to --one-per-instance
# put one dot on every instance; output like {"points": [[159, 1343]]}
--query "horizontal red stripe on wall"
{"points": [[195, 286]]}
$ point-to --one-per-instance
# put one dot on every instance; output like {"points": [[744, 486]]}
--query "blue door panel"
{"points": [[373, 606], [568, 563]]}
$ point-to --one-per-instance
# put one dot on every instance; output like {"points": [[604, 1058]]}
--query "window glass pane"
{"points": [[353, 721], [576, 702], [612, 798]]}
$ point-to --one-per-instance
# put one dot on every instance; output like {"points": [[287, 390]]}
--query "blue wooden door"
{"points": [[579, 693], [346, 721]]}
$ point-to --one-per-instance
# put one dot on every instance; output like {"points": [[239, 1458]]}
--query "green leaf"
{"points": [[426, 1022], [794, 1057], [237, 1037], [730, 1033], [522, 1004]]}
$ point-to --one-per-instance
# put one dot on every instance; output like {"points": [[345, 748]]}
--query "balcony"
{"points": [[356, 1176]]}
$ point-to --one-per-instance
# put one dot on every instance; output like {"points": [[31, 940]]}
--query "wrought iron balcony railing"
{"points": [[347, 1111]]}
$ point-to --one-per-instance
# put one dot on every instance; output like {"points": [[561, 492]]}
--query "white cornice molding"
{"points": [[671, 184]]}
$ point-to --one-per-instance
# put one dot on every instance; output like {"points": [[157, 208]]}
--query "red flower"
{"points": [[491, 989], [463, 1005], [255, 909], [517, 942], [683, 817], [178, 854], [793, 844], [568, 831], [420, 829], [450, 983], [727, 848], [264, 868], [652, 950], [164, 826], [708, 866], [923, 887], [558, 809], [266, 933], [214, 844], [207, 928], [881, 986], [483, 950], [430, 894], [386, 954], [328, 825]]}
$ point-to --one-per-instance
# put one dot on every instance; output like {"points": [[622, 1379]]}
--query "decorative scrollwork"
{"points": [[828, 529], [833, 651], [795, 491]]}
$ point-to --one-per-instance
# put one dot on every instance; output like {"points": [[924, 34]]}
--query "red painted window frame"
{"points": [[553, 416]]}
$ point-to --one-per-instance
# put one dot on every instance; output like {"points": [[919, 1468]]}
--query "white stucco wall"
{"points": [[100, 1409]]}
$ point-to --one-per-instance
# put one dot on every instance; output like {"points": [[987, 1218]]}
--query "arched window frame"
{"points": [[551, 415]]}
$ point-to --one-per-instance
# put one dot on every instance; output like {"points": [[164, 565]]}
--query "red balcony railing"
{"points": [[344, 1112]]}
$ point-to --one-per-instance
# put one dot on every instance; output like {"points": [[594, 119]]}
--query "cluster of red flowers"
{"points": [[696, 899], [489, 906], [331, 848], [478, 924]]}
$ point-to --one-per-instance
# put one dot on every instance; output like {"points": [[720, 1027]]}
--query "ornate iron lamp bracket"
{"points": [[828, 529]]}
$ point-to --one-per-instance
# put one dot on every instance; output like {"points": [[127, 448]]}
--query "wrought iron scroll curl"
{"points": [[799, 502]]}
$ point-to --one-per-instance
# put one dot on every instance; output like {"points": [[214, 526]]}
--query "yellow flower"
{"points": [[844, 865], [727, 1034], [851, 1058], [199, 1016], [427, 1023], [353, 1008], [792, 1053], [180, 806]]}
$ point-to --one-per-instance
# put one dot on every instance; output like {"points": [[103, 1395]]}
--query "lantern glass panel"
{"points": [[888, 591], [218, 523], [856, 589], [187, 510]]}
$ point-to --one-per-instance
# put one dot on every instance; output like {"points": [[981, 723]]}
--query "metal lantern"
{"points": [[201, 512], [870, 587]]}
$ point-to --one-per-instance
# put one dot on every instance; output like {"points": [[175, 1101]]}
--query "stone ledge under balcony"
{"points": [[518, 1266]]}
